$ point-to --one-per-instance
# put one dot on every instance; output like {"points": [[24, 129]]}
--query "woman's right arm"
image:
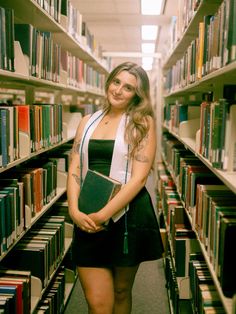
{"points": [[73, 182]]}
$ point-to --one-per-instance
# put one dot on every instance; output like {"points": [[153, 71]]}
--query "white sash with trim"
{"points": [[119, 157]]}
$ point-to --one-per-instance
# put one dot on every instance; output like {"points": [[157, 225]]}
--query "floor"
{"points": [[149, 292]]}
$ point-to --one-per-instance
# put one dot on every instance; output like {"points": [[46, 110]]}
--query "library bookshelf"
{"points": [[53, 61], [201, 63]]}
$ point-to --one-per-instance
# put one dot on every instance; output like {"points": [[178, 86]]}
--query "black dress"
{"points": [[106, 248]]}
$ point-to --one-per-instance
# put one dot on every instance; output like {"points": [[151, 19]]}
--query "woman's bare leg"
{"points": [[123, 284], [97, 284]]}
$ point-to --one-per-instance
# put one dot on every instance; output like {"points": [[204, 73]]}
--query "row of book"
{"points": [[211, 207], [73, 22], [218, 133], [176, 113], [41, 250], [215, 225], [215, 125], [68, 15], [204, 296], [213, 48], [79, 74], [7, 54], [42, 54], [49, 61], [43, 57], [171, 284], [185, 12], [40, 253], [54, 296], [16, 289], [28, 128], [24, 192], [53, 8], [182, 282]]}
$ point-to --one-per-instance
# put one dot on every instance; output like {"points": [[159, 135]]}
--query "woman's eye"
{"points": [[129, 88], [116, 82]]}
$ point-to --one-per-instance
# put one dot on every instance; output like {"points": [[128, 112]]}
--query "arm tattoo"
{"points": [[76, 147], [141, 158], [76, 177]]}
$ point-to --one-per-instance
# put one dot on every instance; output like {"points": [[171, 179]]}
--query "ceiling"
{"points": [[116, 25]]}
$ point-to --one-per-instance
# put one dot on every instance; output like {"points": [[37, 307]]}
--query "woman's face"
{"points": [[122, 90]]}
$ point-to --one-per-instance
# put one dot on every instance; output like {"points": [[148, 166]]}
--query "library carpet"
{"points": [[149, 292]]}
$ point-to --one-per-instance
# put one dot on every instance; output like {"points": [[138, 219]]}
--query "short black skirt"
{"points": [[106, 248]]}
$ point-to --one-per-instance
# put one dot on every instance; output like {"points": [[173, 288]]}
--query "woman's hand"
{"points": [[96, 217], [84, 222]]}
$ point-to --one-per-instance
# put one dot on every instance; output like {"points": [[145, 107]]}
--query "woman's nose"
{"points": [[118, 89]]}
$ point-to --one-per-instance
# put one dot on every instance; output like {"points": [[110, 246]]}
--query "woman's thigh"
{"points": [[124, 278], [97, 283]]}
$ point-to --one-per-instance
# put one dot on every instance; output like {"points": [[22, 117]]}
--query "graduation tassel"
{"points": [[125, 247]]}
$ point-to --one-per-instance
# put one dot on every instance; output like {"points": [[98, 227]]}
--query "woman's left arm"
{"points": [[141, 165]]}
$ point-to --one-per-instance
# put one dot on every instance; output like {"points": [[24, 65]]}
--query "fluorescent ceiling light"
{"points": [[147, 67], [148, 47], [151, 7], [147, 63], [149, 32]]}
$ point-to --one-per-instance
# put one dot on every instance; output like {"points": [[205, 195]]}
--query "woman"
{"points": [[119, 141]]}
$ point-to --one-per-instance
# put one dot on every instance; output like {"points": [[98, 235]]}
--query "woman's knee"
{"points": [[122, 293], [98, 302]]}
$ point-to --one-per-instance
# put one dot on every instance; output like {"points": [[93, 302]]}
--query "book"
{"points": [[184, 245], [12, 131], [229, 162], [19, 292], [226, 266], [9, 19], [25, 278], [3, 58], [97, 190], [231, 39], [24, 130], [5, 136], [10, 290], [24, 34]]}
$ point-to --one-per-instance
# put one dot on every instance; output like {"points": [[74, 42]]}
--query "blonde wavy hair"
{"points": [[140, 107]]}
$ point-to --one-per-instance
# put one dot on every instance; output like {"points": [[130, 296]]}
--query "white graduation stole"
{"points": [[119, 158]]}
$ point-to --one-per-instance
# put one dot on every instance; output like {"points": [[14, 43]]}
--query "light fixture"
{"points": [[149, 32], [151, 7], [148, 47], [147, 63]]}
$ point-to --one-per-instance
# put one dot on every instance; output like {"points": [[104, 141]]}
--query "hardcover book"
{"points": [[97, 190]]}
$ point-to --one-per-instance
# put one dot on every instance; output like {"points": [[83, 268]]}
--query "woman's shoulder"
{"points": [[149, 120], [81, 125], [87, 117]]}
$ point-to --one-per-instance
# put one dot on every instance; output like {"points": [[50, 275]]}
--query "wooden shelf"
{"points": [[30, 12], [227, 302], [205, 8], [213, 81], [60, 192], [41, 151], [18, 80], [228, 178], [226, 74]]}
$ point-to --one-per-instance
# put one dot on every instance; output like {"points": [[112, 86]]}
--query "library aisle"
{"points": [[149, 292]]}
